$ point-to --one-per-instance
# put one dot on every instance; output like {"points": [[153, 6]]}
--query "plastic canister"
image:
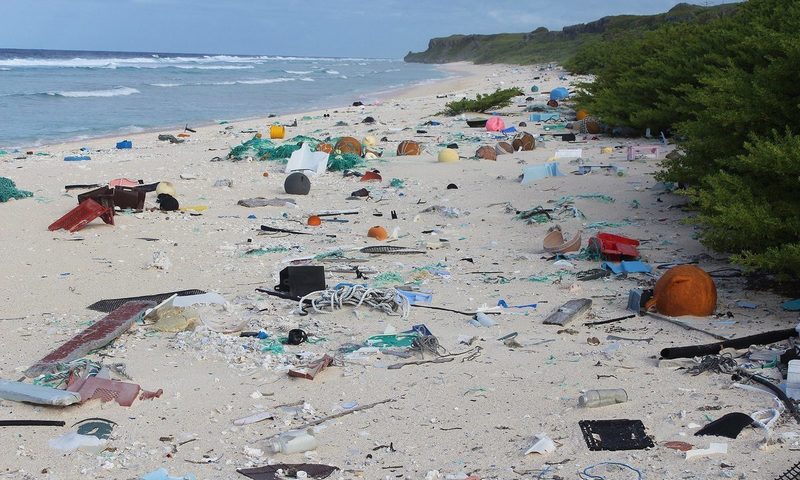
{"points": [[603, 397], [793, 380], [277, 131], [294, 441]]}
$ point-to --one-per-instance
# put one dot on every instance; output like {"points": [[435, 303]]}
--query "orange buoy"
{"points": [[581, 115], [684, 290], [408, 147], [377, 232], [314, 221], [348, 145], [277, 131], [486, 152], [523, 141]]}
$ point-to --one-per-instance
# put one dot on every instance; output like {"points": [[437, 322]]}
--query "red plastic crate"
{"points": [[614, 247], [80, 216]]}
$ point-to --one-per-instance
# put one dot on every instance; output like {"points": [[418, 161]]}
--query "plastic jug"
{"points": [[603, 397], [294, 441]]}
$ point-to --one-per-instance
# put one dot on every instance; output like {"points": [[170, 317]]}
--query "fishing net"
{"points": [[9, 190], [344, 161], [255, 147], [263, 149]]}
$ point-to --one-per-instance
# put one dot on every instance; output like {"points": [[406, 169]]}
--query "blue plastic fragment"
{"points": [[631, 266], [510, 130], [502, 303], [163, 474], [792, 305], [124, 144], [76, 158], [416, 297]]}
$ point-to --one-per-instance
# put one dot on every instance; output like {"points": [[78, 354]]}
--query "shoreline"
{"points": [[408, 91]]}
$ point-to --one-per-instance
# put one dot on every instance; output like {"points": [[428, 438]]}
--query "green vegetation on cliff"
{"points": [[542, 45]]}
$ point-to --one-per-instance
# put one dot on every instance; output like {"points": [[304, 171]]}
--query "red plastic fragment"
{"points": [[106, 390], [146, 395], [313, 368], [80, 216]]}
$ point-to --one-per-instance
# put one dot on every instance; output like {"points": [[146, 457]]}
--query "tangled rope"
{"points": [[715, 363], [387, 300]]}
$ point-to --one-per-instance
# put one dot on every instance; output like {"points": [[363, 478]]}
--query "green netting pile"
{"points": [[9, 190], [344, 161], [255, 147], [263, 149]]}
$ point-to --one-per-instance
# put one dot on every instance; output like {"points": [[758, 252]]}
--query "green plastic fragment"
{"points": [[257, 252], [397, 183], [396, 340], [271, 345], [387, 278]]}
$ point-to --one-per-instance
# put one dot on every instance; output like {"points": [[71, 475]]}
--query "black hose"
{"points": [[714, 348], [790, 406], [32, 423]]}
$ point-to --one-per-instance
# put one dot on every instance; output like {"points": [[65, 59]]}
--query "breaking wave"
{"points": [[113, 92]]}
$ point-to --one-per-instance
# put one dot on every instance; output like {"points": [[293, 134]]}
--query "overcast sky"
{"points": [[363, 28]]}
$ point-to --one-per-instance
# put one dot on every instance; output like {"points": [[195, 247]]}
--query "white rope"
{"points": [[387, 300]]}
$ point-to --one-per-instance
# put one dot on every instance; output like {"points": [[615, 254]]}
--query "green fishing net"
{"points": [[255, 147], [9, 190], [263, 149], [344, 161]]}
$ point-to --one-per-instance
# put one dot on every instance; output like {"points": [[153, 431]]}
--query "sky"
{"points": [[337, 28]]}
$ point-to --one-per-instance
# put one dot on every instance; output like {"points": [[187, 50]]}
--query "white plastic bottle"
{"points": [[602, 397], [294, 441]]}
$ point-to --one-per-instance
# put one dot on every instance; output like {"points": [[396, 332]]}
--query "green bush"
{"points": [[753, 207], [482, 103], [729, 91]]}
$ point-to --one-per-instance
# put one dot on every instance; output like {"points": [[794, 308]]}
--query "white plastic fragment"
{"points": [[254, 418], [713, 449], [542, 444]]}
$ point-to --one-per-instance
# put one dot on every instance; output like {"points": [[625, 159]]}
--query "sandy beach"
{"points": [[475, 414]]}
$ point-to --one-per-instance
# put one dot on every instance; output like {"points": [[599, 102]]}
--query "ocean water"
{"points": [[55, 95]]}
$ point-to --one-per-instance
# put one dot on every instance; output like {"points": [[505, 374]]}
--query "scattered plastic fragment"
{"points": [[163, 474], [713, 449], [73, 441], [542, 444]]}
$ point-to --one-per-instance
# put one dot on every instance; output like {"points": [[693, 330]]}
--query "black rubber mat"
{"points": [[111, 304], [615, 435]]}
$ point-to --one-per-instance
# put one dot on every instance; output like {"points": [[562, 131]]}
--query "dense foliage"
{"points": [[728, 90], [482, 103]]}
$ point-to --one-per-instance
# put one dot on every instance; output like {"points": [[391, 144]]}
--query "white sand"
{"points": [[476, 416]]}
